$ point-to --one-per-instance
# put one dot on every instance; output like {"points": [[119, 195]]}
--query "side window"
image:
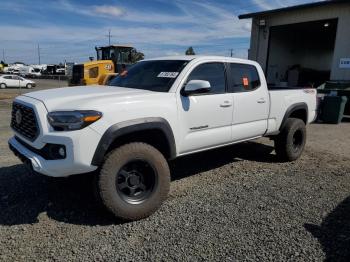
{"points": [[93, 72], [8, 77], [214, 73], [243, 78]]}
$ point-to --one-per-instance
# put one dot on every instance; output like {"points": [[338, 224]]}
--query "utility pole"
{"points": [[231, 52], [3, 55], [39, 54], [109, 36]]}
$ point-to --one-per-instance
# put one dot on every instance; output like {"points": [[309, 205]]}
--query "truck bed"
{"points": [[282, 99]]}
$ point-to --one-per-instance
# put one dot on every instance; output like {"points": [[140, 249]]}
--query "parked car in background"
{"points": [[15, 81], [61, 71], [12, 71]]}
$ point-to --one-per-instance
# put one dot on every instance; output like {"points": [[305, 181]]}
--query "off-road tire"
{"points": [[114, 162], [290, 143], [3, 86]]}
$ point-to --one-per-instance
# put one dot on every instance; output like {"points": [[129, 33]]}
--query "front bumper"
{"points": [[79, 145], [53, 168]]}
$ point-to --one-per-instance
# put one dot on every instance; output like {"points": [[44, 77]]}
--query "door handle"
{"points": [[261, 101], [226, 104]]}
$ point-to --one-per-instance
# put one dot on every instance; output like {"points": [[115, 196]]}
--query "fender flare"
{"points": [[127, 127], [292, 109]]}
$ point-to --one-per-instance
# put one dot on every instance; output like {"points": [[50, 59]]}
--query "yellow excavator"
{"points": [[108, 64]]}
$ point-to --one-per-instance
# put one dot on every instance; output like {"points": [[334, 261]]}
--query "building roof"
{"points": [[292, 8]]}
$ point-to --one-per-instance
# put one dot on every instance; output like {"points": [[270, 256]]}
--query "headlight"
{"points": [[72, 120]]}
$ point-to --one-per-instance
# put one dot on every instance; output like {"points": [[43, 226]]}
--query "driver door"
{"points": [[10, 81], [205, 118]]}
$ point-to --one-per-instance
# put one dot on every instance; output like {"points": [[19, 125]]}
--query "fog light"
{"points": [[56, 151], [61, 152]]}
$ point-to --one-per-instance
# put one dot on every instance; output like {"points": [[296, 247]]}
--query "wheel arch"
{"points": [[154, 131], [299, 110]]}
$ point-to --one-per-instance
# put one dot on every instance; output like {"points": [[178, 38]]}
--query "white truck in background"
{"points": [[161, 109], [29, 71]]}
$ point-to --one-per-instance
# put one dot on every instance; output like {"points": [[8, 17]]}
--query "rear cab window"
{"points": [[243, 78]]}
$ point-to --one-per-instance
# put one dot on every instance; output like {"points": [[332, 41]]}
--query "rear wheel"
{"points": [[3, 86], [290, 143], [134, 181]]}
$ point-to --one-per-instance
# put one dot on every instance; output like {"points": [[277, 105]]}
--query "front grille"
{"points": [[24, 121]]}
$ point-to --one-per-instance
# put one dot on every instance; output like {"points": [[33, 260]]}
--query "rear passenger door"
{"points": [[250, 100], [18, 81]]}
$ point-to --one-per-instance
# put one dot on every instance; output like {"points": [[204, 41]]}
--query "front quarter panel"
{"points": [[156, 105]]}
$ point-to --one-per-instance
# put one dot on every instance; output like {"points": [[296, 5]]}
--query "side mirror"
{"points": [[196, 87]]}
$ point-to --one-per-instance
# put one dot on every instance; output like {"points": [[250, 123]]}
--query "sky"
{"points": [[68, 30]]}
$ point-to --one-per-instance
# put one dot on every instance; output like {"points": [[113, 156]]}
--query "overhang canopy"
{"points": [[292, 8]]}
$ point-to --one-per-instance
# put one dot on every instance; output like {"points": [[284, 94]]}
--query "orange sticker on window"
{"points": [[245, 81]]}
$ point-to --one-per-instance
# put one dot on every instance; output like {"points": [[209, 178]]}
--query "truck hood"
{"points": [[84, 97]]}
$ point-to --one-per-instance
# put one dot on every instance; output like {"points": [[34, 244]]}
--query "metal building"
{"points": [[302, 45]]}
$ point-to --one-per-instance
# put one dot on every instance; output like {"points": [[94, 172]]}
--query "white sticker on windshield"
{"points": [[168, 74]]}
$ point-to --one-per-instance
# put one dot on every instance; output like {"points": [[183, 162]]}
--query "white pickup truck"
{"points": [[162, 109]]}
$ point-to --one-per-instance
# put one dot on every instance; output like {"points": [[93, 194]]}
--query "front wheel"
{"points": [[290, 143], [134, 181], [2, 86], [29, 86]]}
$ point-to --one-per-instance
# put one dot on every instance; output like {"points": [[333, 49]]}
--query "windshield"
{"points": [[156, 75]]}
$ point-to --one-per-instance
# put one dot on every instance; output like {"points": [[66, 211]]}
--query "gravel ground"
{"points": [[232, 204]]}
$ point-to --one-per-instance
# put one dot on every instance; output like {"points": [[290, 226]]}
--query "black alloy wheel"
{"points": [[298, 140], [135, 181]]}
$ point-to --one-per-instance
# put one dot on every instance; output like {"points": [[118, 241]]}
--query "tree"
{"points": [[190, 51], [136, 56]]}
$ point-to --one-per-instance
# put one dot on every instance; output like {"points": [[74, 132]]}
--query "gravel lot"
{"points": [[233, 204]]}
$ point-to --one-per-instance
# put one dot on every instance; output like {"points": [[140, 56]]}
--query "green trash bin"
{"points": [[333, 109]]}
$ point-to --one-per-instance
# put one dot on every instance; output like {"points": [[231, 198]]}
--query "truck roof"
{"points": [[203, 57]]}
